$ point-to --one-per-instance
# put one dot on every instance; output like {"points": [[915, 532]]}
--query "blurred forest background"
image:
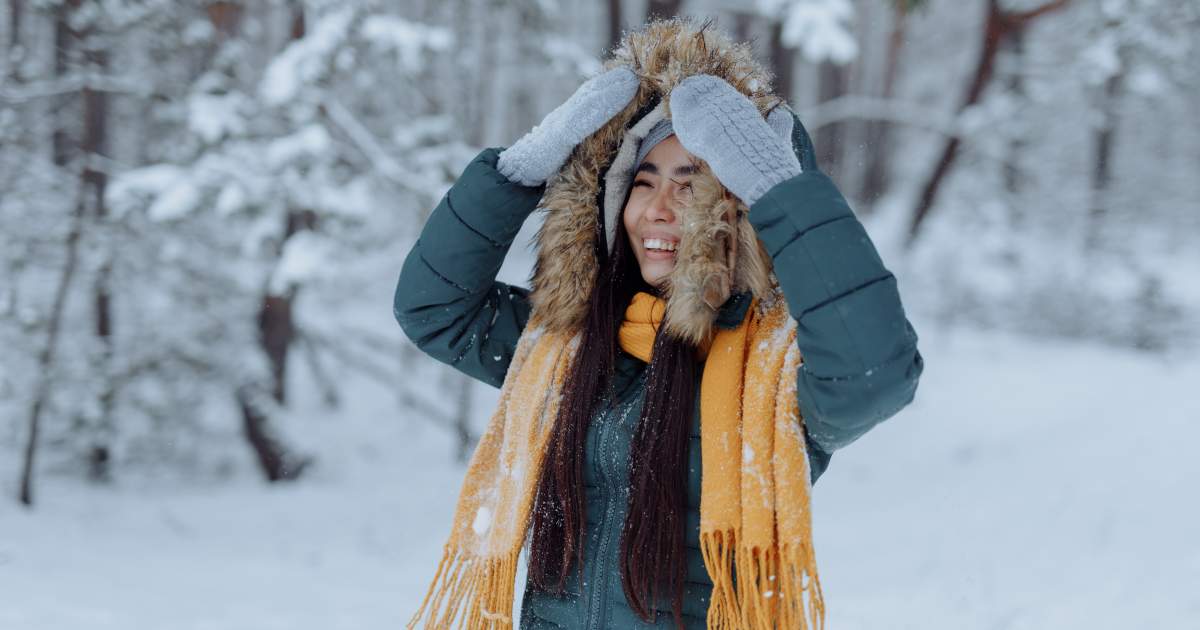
{"points": [[197, 196], [204, 205]]}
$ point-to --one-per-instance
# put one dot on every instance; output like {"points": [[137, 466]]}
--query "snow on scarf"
{"points": [[755, 517]]}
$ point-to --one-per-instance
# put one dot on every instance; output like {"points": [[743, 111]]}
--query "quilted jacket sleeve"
{"points": [[447, 299], [860, 359]]}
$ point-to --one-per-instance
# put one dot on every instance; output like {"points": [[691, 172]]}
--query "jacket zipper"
{"points": [[599, 578]]}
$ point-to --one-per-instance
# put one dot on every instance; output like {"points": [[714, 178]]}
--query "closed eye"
{"points": [[641, 182]]}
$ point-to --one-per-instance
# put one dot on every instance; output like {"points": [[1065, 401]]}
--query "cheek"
{"points": [[629, 215]]}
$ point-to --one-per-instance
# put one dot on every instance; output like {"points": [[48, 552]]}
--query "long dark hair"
{"points": [[652, 553]]}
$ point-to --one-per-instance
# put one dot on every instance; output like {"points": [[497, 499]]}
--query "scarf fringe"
{"points": [[771, 590], [480, 588]]}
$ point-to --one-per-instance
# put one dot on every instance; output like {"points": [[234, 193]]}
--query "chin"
{"points": [[657, 280]]}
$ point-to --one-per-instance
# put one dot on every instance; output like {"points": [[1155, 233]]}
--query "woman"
{"points": [[708, 323]]}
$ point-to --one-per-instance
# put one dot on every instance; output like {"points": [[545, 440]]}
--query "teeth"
{"points": [[658, 243]]}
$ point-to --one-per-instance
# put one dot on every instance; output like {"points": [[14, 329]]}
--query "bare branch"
{"points": [[329, 391], [1021, 18], [72, 84], [382, 160], [407, 398], [47, 356], [855, 107]]}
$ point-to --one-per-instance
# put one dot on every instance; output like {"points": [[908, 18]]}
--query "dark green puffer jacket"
{"points": [[861, 363]]}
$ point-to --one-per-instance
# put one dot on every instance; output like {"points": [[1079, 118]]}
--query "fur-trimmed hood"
{"points": [[573, 237]]}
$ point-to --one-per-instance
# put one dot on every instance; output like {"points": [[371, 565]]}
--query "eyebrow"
{"points": [[651, 167]]}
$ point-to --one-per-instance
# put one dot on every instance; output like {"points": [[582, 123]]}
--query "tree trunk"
{"points": [[999, 24], [226, 18], [276, 327], [830, 139], [462, 419], [1102, 161], [875, 178], [87, 140], [782, 59], [276, 331], [485, 66], [276, 462], [95, 144], [14, 50], [64, 38], [61, 140], [46, 359], [662, 9], [1014, 48], [614, 23], [743, 22]]}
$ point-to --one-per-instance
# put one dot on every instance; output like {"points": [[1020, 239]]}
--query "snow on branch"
{"points": [[819, 28]]}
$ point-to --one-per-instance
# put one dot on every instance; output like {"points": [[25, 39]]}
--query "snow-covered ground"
{"points": [[1032, 485]]}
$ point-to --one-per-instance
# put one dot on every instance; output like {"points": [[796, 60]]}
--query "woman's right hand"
{"points": [[544, 149]]}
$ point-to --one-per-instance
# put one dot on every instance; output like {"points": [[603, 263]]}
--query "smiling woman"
{"points": [[708, 323]]}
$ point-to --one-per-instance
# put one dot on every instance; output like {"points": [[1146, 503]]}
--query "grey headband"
{"points": [[620, 172], [661, 131]]}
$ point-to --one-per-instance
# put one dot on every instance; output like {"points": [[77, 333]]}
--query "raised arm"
{"points": [[860, 359], [861, 363], [447, 299]]}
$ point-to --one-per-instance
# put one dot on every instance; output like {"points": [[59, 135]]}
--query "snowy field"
{"points": [[1033, 485]]}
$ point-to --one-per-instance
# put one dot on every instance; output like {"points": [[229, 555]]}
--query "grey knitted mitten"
{"points": [[721, 126], [543, 150]]}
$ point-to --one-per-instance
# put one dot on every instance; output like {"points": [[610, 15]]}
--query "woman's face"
{"points": [[661, 186]]}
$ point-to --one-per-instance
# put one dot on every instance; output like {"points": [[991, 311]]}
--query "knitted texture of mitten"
{"points": [[721, 126], [543, 150]]}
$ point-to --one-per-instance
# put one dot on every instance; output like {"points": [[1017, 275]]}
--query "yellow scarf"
{"points": [[755, 516]]}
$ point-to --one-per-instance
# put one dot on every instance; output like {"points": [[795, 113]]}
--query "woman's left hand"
{"points": [[721, 126]]}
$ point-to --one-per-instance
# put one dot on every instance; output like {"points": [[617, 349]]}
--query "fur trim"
{"points": [[702, 279], [661, 53]]}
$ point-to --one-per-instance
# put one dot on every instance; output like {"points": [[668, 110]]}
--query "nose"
{"points": [[661, 209]]}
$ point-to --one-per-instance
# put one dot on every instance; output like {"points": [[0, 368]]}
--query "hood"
{"points": [[573, 238]]}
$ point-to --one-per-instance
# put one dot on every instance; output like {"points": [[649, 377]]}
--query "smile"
{"points": [[658, 244]]}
